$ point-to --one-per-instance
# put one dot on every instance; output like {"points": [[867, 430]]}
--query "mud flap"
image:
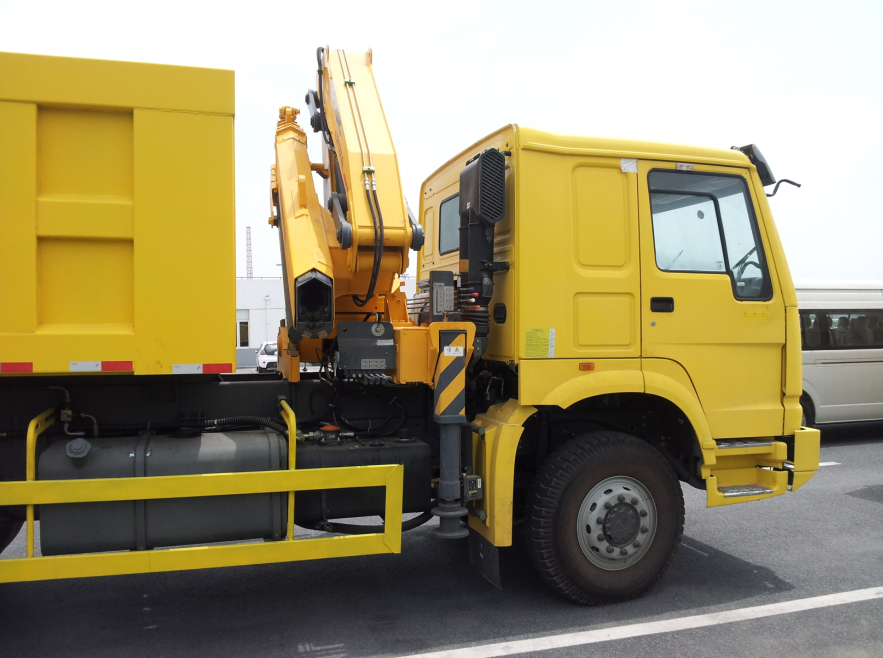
{"points": [[485, 557]]}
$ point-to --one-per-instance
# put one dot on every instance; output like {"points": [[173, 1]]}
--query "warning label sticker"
{"points": [[539, 343]]}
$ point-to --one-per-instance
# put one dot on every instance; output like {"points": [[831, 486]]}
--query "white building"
{"points": [[260, 307]]}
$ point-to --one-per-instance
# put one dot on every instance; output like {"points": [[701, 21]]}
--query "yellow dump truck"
{"points": [[596, 322]]}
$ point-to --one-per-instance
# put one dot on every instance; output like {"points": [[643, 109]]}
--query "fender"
{"points": [[493, 457], [494, 453], [668, 380], [561, 383]]}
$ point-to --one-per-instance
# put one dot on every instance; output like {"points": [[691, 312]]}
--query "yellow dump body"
{"points": [[116, 217]]}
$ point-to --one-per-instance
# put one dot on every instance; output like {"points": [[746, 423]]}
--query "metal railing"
{"points": [[31, 492]]}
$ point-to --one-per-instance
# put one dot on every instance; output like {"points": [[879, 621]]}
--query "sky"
{"points": [[802, 80]]}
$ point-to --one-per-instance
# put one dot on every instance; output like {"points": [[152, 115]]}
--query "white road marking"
{"points": [[829, 463], [694, 549], [655, 627]]}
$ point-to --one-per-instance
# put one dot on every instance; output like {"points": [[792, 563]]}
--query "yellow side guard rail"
{"points": [[33, 492]]}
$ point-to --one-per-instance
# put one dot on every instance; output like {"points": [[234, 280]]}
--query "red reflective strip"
{"points": [[116, 366], [217, 367], [16, 366]]}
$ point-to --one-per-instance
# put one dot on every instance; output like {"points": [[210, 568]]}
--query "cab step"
{"points": [[741, 470], [744, 490], [736, 444]]}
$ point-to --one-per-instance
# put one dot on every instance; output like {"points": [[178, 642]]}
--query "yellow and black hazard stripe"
{"points": [[450, 377]]}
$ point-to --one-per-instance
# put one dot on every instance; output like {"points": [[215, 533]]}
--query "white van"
{"points": [[841, 328]]}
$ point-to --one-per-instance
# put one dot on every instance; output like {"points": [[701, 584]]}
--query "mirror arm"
{"points": [[783, 180]]}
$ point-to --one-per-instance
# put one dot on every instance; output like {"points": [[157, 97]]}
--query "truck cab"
{"points": [[645, 292]]}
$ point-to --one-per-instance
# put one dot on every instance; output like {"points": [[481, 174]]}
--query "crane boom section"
{"points": [[365, 153], [306, 243]]}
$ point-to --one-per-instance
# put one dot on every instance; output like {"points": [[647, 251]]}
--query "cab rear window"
{"points": [[449, 225]]}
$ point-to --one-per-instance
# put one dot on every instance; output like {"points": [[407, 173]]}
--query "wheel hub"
{"points": [[616, 523], [621, 524]]}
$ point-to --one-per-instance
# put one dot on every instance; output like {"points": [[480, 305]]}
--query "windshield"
{"points": [[270, 348]]}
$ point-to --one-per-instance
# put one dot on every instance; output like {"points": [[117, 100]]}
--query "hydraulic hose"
{"points": [[377, 221], [378, 248]]}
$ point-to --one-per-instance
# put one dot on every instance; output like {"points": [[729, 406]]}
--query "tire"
{"points": [[644, 518], [809, 412], [10, 525]]}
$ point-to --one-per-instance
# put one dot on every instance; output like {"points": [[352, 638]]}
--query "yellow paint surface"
{"points": [[116, 198]]}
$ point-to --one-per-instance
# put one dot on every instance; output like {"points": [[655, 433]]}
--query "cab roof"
{"points": [[539, 140], [532, 139]]}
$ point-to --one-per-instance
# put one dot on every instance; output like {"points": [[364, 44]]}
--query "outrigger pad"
{"points": [[485, 557]]}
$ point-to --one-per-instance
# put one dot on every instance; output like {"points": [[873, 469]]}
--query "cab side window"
{"points": [[449, 225], [705, 223]]}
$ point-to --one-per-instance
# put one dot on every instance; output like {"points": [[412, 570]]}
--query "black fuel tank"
{"points": [[136, 525], [140, 525], [312, 506]]}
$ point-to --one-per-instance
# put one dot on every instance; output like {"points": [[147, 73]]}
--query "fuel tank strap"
{"points": [[141, 505]]}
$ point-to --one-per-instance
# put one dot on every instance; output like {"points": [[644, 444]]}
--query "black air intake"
{"points": [[483, 187], [482, 205]]}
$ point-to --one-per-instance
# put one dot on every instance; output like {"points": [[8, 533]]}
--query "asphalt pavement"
{"points": [[775, 555]]}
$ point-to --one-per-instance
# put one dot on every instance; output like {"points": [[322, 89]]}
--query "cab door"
{"points": [[709, 295]]}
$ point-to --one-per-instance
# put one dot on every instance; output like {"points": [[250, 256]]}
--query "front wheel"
{"points": [[606, 515]]}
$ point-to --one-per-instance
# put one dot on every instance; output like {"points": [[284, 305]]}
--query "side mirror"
{"points": [[757, 159]]}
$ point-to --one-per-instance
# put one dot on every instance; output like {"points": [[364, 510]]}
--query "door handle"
{"points": [[662, 304]]}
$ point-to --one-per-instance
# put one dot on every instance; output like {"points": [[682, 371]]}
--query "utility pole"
{"points": [[249, 273]]}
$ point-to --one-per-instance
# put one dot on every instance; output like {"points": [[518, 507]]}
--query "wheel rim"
{"points": [[616, 523]]}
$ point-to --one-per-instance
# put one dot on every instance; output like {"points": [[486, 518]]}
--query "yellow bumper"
{"points": [[804, 456]]}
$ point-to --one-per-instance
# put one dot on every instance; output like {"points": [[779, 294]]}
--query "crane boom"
{"points": [[344, 254]]}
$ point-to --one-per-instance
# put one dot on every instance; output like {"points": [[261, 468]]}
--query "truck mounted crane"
{"points": [[597, 322]]}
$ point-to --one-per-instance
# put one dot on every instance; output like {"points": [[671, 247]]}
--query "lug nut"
{"points": [[643, 528], [643, 512], [637, 544], [610, 549], [620, 498], [608, 506], [622, 551], [634, 501], [599, 520], [600, 537]]}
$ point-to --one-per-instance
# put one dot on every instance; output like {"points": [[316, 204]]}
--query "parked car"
{"points": [[266, 357]]}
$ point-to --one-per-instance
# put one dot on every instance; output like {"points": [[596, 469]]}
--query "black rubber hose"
{"points": [[378, 242], [378, 249], [481, 318], [352, 529], [326, 134]]}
